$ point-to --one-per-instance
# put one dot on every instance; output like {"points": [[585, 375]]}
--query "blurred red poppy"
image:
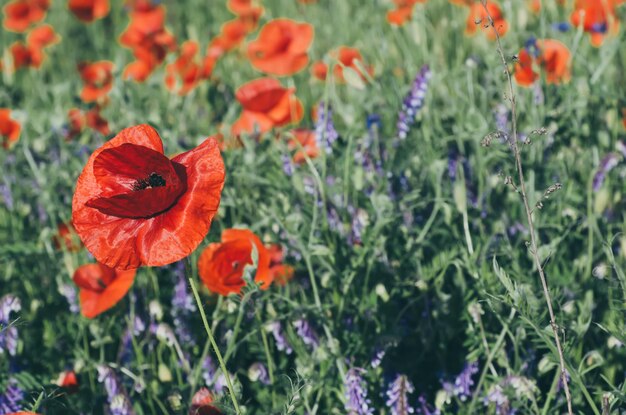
{"points": [[319, 70], [201, 403], [348, 58], [597, 17], [550, 55], [101, 287], [266, 104], [133, 206], [89, 10], [97, 79], [221, 265], [68, 381], [67, 238], [149, 40], [246, 11], [9, 128], [78, 120], [281, 48], [20, 14], [281, 273], [477, 18], [403, 11], [304, 143], [42, 37], [184, 73]]}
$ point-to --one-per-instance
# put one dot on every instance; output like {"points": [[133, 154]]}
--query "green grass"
{"points": [[407, 287]]}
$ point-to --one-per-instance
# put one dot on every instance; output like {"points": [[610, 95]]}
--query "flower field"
{"points": [[381, 207]]}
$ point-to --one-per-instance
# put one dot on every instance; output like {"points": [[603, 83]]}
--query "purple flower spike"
{"points": [[608, 163], [413, 102], [325, 132], [356, 393], [11, 398], [398, 393], [306, 333]]}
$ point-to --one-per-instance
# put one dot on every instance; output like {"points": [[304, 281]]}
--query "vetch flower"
{"points": [[257, 372], [608, 163], [221, 265], [101, 287], [464, 382], [133, 206], [119, 404], [357, 402], [306, 333], [413, 102], [10, 400], [282, 344], [281, 48], [8, 332], [325, 132], [397, 394]]}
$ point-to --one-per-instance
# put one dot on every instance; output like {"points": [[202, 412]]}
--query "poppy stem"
{"points": [[209, 332]]}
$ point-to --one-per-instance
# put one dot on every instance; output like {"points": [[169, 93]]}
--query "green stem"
{"points": [[209, 332]]}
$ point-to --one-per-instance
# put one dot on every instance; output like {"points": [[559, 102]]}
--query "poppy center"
{"points": [[152, 181]]}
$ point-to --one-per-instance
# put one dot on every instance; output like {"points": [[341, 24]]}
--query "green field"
{"points": [[397, 238]]}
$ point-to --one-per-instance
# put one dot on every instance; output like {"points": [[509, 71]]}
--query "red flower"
{"points": [[68, 380], [281, 273], [221, 265], [403, 11], [101, 287], [97, 78], [551, 55], [477, 14], [67, 237], [246, 11], [346, 57], [201, 403], [266, 104], [281, 48], [597, 17], [89, 10], [305, 144], [42, 37], [133, 206], [9, 128], [319, 70], [147, 37], [184, 73], [92, 119], [20, 14]]}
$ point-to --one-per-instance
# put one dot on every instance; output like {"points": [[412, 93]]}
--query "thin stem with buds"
{"points": [[522, 191]]}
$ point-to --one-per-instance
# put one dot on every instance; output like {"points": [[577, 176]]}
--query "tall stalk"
{"points": [[534, 243]]}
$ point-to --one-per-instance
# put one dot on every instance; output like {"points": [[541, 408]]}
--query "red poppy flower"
{"points": [[305, 144], [66, 237], [347, 58], [96, 122], [221, 265], [101, 287], [78, 120], [319, 70], [9, 128], [184, 73], [25, 56], [550, 55], [133, 206], [149, 41], [68, 381], [266, 104], [89, 10], [246, 11], [597, 17], [76, 124], [281, 48], [477, 14], [201, 403], [20, 14], [97, 78], [403, 11], [281, 273], [42, 37], [462, 2]]}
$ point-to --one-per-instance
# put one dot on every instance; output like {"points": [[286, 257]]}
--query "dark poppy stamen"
{"points": [[154, 180]]}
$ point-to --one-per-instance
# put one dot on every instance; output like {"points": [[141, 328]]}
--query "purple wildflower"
{"points": [[8, 332], [621, 147], [608, 163], [463, 383], [356, 393], [213, 378], [183, 306], [413, 102], [287, 164], [11, 398], [119, 404], [258, 372], [309, 185], [325, 132], [282, 343], [561, 27], [69, 292], [398, 393], [498, 397], [425, 409], [358, 225], [7, 195], [306, 333], [379, 355]]}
